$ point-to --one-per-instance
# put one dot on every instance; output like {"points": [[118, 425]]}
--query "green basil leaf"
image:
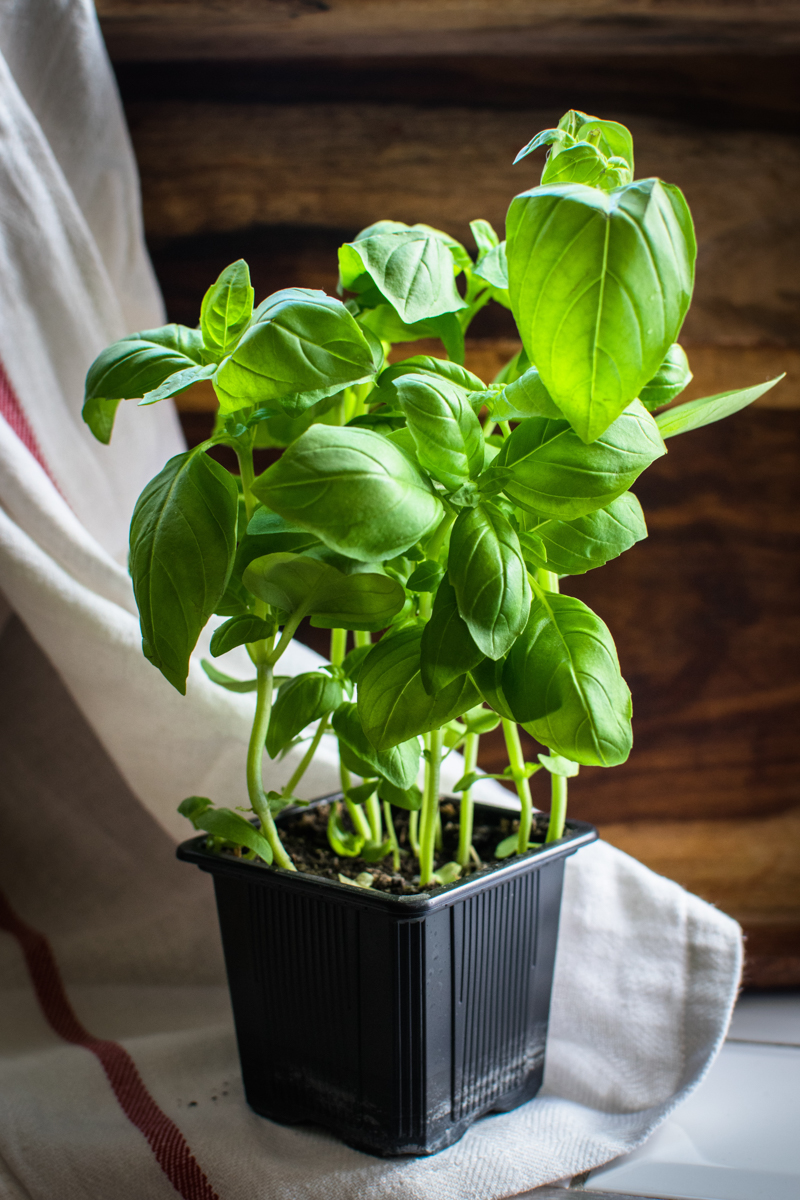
{"points": [[353, 488], [392, 703], [408, 798], [493, 267], [574, 547], [375, 851], [133, 366], [302, 700], [525, 397], [348, 845], [670, 379], [233, 827], [485, 237], [558, 475], [697, 413], [480, 720], [581, 163], [238, 631], [301, 347], [507, 847], [361, 794], [446, 431], [488, 574], [192, 806], [447, 648], [268, 533], [384, 323], [177, 383], [426, 577], [227, 308], [399, 764], [488, 678], [182, 543], [557, 765], [435, 366], [599, 283], [563, 683], [227, 681], [296, 583], [412, 268], [611, 138]]}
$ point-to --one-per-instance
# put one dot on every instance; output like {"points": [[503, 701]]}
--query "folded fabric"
{"points": [[118, 1068]]}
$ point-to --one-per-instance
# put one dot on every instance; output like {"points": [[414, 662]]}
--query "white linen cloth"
{"points": [[97, 749]]}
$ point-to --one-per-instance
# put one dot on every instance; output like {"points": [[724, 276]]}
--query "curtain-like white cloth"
{"points": [[98, 749]]}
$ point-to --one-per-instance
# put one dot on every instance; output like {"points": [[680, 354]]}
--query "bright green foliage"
{"points": [[421, 503], [302, 700], [599, 283], [352, 488], [393, 704], [563, 683], [183, 538], [556, 474], [488, 574]]}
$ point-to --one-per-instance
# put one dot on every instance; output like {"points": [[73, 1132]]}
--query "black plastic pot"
{"points": [[394, 1021]]}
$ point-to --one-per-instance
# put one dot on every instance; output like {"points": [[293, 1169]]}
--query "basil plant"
{"points": [[430, 514]]}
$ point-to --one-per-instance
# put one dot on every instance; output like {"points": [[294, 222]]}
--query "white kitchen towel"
{"points": [[118, 1069]]}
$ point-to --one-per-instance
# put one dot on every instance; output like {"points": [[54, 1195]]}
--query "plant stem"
{"points": [[548, 580], [373, 808], [430, 807], [413, 831], [387, 816], [517, 764], [442, 530], [255, 757], [247, 474], [338, 646], [558, 808], [425, 605], [305, 761], [362, 637], [466, 810]]}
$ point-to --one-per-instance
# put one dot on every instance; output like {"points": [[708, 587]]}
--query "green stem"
{"points": [[387, 816], [488, 426], [362, 637], [517, 764], [338, 646], [442, 530], [505, 428], [465, 817], [430, 807], [255, 759], [548, 580], [305, 761], [425, 605], [245, 456], [558, 808], [359, 819], [413, 831], [373, 808]]}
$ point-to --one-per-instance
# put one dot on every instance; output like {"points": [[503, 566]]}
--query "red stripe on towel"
{"points": [[165, 1139], [11, 410]]}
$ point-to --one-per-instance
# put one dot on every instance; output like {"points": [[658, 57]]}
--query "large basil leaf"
{"points": [[226, 309], [301, 347], [412, 268], [599, 283], [574, 547], [392, 703], [556, 474], [353, 488], [295, 583], [446, 431], [562, 682], [697, 413], [447, 648], [399, 765], [302, 700], [488, 574], [384, 323], [670, 379], [183, 538], [135, 365]]}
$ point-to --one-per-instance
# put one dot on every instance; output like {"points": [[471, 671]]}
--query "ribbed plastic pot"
{"points": [[394, 1021]]}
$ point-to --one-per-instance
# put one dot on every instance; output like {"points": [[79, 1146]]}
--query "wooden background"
{"points": [[275, 130]]}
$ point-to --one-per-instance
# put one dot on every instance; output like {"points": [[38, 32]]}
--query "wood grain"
{"points": [[136, 29], [213, 167]]}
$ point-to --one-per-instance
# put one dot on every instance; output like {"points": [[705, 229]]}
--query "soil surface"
{"points": [[306, 840]]}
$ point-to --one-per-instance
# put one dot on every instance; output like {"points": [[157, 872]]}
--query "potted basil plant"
{"points": [[390, 952]]}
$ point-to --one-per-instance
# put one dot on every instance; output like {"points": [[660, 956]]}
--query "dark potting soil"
{"points": [[305, 837]]}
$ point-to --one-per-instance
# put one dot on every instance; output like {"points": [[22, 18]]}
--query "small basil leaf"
{"points": [[375, 851], [349, 845], [488, 574], [238, 631], [305, 699], [361, 794], [485, 237], [359, 493], [413, 269], [426, 577], [557, 765], [296, 583], [226, 309], [525, 397], [493, 267], [408, 798], [399, 764], [182, 542], [177, 383], [392, 703], [697, 413], [600, 297], [193, 806], [447, 648], [353, 660], [670, 379], [574, 547], [507, 847], [557, 475], [227, 681], [480, 720], [563, 683], [232, 827], [448, 873], [301, 347], [446, 431]]}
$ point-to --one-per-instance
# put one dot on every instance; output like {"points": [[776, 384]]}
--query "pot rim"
{"points": [[579, 833]]}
